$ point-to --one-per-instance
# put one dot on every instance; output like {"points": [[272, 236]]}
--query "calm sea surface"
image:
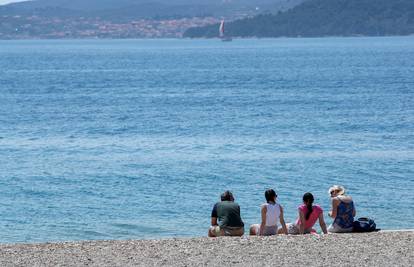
{"points": [[122, 139]]}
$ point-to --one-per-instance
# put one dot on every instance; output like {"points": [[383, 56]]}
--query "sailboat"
{"points": [[221, 32]]}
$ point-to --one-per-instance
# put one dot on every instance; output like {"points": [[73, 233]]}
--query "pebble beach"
{"points": [[368, 249]]}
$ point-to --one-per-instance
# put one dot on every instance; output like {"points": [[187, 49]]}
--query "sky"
{"points": [[2, 2]]}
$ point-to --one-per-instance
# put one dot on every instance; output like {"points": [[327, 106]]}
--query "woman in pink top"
{"points": [[308, 215]]}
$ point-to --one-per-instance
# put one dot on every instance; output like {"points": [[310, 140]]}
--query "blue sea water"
{"points": [[123, 139]]}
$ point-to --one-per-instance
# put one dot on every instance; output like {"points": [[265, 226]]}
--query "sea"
{"points": [[137, 139]]}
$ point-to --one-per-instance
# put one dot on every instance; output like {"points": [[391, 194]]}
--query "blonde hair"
{"points": [[339, 188]]}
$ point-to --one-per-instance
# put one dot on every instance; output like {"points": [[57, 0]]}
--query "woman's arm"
{"points": [[263, 224], [282, 221], [214, 216], [302, 222], [332, 213], [354, 211], [322, 223]]}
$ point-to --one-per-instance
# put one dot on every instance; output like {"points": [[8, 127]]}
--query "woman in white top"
{"points": [[272, 213]]}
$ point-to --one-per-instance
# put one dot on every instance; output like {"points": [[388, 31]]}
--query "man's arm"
{"points": [[214, 216]]}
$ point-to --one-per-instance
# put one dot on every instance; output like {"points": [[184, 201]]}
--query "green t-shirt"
{"points": [[228, 214]]}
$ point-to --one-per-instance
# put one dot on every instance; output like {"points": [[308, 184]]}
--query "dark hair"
{"points": [[308, 199], [227, 196], [270, 195]]}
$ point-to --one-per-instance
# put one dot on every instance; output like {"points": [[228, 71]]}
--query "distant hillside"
{"points": [[124, 18], [324, 18], [137, 9]]}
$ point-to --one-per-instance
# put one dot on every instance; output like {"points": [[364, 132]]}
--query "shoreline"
{"points": [[383, 248], [211, 38]]}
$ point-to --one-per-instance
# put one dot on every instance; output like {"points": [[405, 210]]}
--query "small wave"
{"points": [[138, 228], [127, 226]]}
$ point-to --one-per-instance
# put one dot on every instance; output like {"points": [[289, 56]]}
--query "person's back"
{"points": [[308, 215], [344, 214], [225, 217], [271, 213], [343, 211], [313, 217], [228, 214]]}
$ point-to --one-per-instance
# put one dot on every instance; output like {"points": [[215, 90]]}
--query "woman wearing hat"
{"points": [[343, 210]]}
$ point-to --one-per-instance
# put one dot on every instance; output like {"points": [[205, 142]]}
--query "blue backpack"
{"points": [[364, 225]]}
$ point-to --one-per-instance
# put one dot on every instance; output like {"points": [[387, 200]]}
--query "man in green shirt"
{"points": [[225, 218]]}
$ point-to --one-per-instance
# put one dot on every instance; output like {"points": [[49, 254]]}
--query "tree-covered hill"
{"points": [[324, 18]]}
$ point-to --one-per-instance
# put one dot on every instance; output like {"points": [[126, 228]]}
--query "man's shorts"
{"points": [[227, 231]]}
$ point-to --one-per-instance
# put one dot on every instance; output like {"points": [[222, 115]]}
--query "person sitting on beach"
{"points": [[308, 215], [225, 218], [271, 213], [343, 210]]}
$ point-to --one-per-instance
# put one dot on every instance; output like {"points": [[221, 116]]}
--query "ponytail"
{"points": [[308, 200], [309, 206]]}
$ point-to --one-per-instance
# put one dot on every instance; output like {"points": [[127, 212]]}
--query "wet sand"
{"points": [[370, 249]]}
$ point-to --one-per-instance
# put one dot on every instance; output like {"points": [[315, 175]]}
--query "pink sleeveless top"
{"points": [[316, 210]]}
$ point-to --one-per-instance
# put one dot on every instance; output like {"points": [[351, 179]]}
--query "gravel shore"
{"points": [[372, 249]]}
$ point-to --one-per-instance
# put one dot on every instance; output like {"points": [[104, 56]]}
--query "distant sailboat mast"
{"points": [[221, 29], [221, 33]]}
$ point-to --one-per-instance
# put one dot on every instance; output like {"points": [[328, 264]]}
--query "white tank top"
{"points": [[272, 214]]}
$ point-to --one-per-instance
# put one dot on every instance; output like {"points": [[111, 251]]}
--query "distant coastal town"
{"points": [[61, 19], [21, 27]]}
